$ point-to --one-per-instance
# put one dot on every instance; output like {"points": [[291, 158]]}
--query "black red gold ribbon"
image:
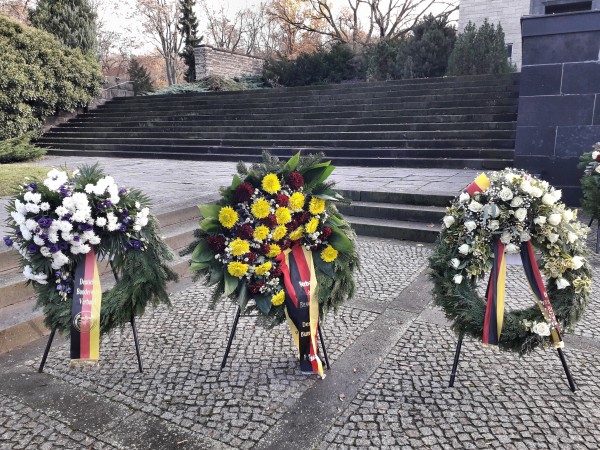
{"points": [[481, 183], [85, 313], [302, 305]]}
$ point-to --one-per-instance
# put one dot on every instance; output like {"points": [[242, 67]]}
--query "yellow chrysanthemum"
{"points": [[274, 251], [260, 208], [297, 201], [239, 247], [312, 225], [263, 268], [261, 233], [278, 298], [297, 234], [284, 215], [228, 217], [316, 206], [279, 233], [329, 254], [270, 183], [237, 269]]}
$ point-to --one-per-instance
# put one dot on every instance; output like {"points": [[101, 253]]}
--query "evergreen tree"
{"points": [[73, 22], [142, 84], [480, 51], [188, 26]]}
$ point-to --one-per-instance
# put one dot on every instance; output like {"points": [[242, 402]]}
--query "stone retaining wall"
{"points": [[213, 61]]}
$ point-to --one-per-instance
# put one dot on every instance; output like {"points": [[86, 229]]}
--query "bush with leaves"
{"points": [[19, 149], [480, 51], [40, 77], [140, 77]]}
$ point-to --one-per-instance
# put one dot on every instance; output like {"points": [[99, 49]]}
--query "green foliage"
{"points": [[40, 77], [140, 77], [19, 149], [212, 83], [590, 184], [338, 64], [73, 22], [480, 51], [188, 26]]}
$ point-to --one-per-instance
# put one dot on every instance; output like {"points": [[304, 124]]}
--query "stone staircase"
{"points": [[454, 122]]}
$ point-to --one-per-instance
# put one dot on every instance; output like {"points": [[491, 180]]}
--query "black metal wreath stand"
{"points": [[133, 327], [597, 234], [234, 328], [561, 355]]}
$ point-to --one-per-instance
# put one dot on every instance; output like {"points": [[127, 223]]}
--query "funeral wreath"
{"points": [[54, 222], [590, 182], [511, 212]]}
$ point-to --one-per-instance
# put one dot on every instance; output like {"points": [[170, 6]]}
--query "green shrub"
{"points": [[337, 64], [386, 60], [140, 77], [480, 51], [40, 77], [212, 83], [19, 149]]}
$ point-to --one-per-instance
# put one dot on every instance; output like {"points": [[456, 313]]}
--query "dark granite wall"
{"points": [[559, 105]]}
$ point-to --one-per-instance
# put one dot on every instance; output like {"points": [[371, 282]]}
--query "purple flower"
{"points": [[122, 191], [63, 246], [65, 190], [58, 274], [59, 287], [125, 213], [45, 222], [8, 241], [54, 249], [85, 227], [32, 187], [44, 236], [123, 228], [19, 234], [76, 238], [67, 217], [32, 248], [135, 244]]}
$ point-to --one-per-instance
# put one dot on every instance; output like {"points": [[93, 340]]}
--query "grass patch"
{"points": [[11, 175], [212, 83]]}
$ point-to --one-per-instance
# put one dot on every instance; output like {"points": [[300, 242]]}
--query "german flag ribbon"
{"points": [[302, 305], [494, 313], [85, 312], [481, 183]]}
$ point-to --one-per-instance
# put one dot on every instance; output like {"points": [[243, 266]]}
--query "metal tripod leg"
{"points": [[48, 345], [231, 335], [137, 343], [323, 347], [566, 368], [456, 358]]}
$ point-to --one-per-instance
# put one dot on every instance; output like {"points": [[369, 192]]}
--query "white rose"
{"points": [[539, 220], [554, 219], [595, 155], [475, 206], [553, 237], [561, 283], [464, 249], [548, 199], [577, 262], [527, 323], [525, 236], [512, 248], [458, 278], [516, 202], [521, 214], [541, 329], [526, 186], [567, 215], [572, 237], [470, 225], [463, 198], [509, 177], [448, 221], [505, 238], [455, 262], [536, 192], [494, 225], [506, 194]]}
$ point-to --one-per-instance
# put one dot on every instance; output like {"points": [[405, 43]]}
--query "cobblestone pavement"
{"points": [[391, 353]]}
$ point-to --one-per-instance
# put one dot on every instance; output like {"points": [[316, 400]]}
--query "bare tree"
{"points": [[224, 28], [159, 20], [16, 9]]}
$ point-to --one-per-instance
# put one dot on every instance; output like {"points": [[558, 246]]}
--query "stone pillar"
{"points": [[213, 61], [559, 104]]}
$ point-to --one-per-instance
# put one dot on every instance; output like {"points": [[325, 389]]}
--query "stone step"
{"points": [[190, 145], [389, 211], [259, 134], [405, 198], [395, 229]]}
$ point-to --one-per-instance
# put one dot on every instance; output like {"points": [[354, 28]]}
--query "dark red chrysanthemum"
{"points": [[295, 180], [276, 272], [292, 225], [304, 217], [216, 243], [251, 257], [264, 249], [244, 192], [326, 232], [245, 231], [286, 244], [282, 200], [270, 221], [254, 288]]}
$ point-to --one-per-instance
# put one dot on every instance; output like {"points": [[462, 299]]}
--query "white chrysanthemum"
{"points": [[65, 226], [101, 221], [25, 232], [32, 208], [61, 211], [18, 217], [89, 188], [45, 206], [20, 207], [31, 224], [31, 275], [55, 179], [81, 215], [45, 251], [33, 198], [59, 259], [38, 241], [53, 237], [95, 240]]}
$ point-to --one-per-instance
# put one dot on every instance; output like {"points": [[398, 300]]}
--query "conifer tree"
{"points": [[73, 22], [188, 26], [142, 84]]}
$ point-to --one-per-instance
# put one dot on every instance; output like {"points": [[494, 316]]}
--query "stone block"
{"points": [[581, 78], [561, 48], [541, 80], [535, 141], [563, 110], [574, 141]]}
